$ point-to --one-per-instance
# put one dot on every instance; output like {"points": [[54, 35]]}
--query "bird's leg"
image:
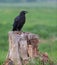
{"points": [[15, 32]]}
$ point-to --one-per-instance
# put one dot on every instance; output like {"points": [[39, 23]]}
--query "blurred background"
{"points": [[41, 20]]}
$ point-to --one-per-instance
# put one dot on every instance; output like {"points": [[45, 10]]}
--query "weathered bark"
{"points": [[21, 46]]}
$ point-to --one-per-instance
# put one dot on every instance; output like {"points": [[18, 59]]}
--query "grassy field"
{"points": [[39, 20]]}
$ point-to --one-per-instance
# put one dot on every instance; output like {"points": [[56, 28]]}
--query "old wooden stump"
{"points": [[22, 46]]}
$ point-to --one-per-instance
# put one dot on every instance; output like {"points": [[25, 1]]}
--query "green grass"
{"points": [[51, 48], [39, 20]]}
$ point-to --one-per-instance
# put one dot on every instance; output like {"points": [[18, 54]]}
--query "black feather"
{"points": [[19, 21]]}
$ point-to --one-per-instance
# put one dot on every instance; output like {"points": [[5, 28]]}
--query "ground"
{"points": [[39, 20]]}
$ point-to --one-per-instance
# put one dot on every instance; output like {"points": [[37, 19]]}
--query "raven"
{"points": [[19, 21]]}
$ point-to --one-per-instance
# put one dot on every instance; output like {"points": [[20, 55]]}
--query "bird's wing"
{"points": [[15, 23], [19, 19]]}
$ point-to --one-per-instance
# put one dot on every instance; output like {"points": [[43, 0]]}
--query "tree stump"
{"points": [[22, 46]]}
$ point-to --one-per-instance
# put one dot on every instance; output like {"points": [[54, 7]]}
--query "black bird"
{"points": [[19, 21]]}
